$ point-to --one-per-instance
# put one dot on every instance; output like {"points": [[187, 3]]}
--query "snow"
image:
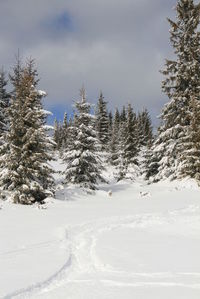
{"points": [[129, 240], [48, 127], [46, 112], [42, 93]]}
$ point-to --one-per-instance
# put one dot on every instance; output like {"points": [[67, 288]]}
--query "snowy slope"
{"points": [[142, 242]]}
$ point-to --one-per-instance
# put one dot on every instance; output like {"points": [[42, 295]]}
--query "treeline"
{"points": [[88, 142], [120, 137], [175, 151]]}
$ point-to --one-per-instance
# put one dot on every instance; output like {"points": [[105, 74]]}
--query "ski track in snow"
{"points": [[81, 241]]}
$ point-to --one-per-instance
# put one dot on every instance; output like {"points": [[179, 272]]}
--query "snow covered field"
{"points": [[142, 242]]}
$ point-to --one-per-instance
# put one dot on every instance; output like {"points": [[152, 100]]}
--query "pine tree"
{"points": [[15, 77], [190, 157], [102, 123], [119, 144], [121, 161], [82, 159], [181, 84], [131, 142], [148, 128], [145, 141], [4, 104], [144, 127], [110, 125], [63, 134], [28, 174], [56, 134], [65, 129], [71, 135], [152, 156], [4, 121], [123, 115], [114, 142]]}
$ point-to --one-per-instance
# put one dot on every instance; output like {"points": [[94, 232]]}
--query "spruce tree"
{"points": [[131, 142], [181, 84], [123, 115], [82, 159], [15, 76], [4, 104], [4, 121], [144, 127], [56, 134], [28, 174], [71, 133], [145, 141], [114, 142], [121, 161], [65, 130], [190, 156], [102, 123]]}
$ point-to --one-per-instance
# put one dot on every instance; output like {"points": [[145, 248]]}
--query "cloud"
{"points": [[116, 46]]}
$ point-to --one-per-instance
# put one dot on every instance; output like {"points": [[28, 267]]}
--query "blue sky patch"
{"points": [[60, 23]]}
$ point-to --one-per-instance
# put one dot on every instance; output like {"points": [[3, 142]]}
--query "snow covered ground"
{"points": [[142, 242]]}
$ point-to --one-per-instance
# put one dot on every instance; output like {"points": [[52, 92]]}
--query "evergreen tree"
{"points": [[64, 132], [4, 122], [71, 135], [131, 146], [4, 104], [118, 158], [110, 128], [56, 134], [123, 115], [181, 84], [151, 162], [28, 174], [190, 157], [114, 142], [144, 127], [15, 77], [82, 159], [120, 161], [102, 123]]}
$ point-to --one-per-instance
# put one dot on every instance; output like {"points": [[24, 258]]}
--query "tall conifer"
{"points": [[82, 158], [181, 84], [27, 173]]}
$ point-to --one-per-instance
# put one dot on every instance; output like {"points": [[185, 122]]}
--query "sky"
{"points": [[113, 46]]}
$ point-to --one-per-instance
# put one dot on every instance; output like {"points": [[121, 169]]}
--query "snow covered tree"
{"points": [[181, 84], [114, 142], [190, 156], [102, 122], [4, 121], [71, 133], [145, 140], [27, 174], [15, 77], [4, 104], [110, 124], [123, 114], [57, 134], [65, 130], [126, 148], [82, 159], [145, 130], [151, 163], [120, 161], [131, 142]]}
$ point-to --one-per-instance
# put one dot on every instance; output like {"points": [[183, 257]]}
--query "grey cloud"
{"points": [[114, 45]]}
